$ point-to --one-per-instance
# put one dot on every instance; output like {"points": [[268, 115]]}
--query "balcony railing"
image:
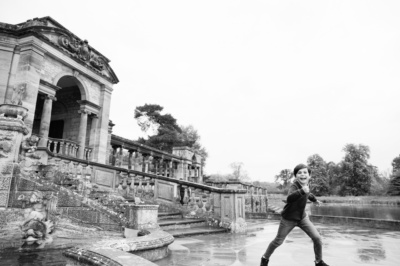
{"points": [[67, 148]]}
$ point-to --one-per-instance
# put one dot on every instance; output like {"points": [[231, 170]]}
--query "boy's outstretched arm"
{"points": [[294, 194], [314, 199]]}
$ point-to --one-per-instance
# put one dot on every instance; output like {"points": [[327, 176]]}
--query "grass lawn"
{"points": [[362, 200], [276, 200]]}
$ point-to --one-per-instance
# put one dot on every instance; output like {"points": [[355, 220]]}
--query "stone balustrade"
{"points": [[251, 189], [181, 164], [66, 147], [220, 206]]}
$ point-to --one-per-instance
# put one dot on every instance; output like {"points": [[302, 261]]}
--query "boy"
{"points": [[293, 214]]}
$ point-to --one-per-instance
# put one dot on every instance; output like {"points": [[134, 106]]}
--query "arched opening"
{"points": [[63, 128], [66, 109]]}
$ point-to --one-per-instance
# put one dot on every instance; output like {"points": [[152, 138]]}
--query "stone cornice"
{"points": [[89, 104], [48, 88], [68, 43]]}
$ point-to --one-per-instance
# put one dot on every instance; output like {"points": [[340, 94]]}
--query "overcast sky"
{"points": [[266, 83]]}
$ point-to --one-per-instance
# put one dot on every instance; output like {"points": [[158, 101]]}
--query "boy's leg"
{"points": [[309, 228], [284, 229]]}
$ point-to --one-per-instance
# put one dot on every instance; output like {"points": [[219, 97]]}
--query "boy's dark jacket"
{"points": [[296, 202]]}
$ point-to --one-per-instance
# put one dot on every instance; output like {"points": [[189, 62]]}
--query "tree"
{"points": [[191, 138], [335, 174], [394, 183], [284, 178], [357, 173], [238, 171], [379, 183], [396, 164], [163, 131], [319, 182]]}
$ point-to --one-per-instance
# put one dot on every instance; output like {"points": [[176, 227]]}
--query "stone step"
{"points": [[171, 224], [205, 230], [169, 215]]}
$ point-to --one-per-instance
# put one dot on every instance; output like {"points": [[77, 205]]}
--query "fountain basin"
{"points": [[150, 247]]}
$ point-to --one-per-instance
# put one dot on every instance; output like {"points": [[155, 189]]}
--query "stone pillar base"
{"points": [[142, 216]]}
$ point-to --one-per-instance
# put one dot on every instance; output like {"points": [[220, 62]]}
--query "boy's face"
{"points": [[303, 176]]}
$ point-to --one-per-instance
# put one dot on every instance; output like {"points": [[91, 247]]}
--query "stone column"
{"points": [[165, 168], [171, 169], [136, 163], [180, 173], [121, 156], [201, 174], [8, 67], [102, 136], [82, 133], [94, 158], [114, 155], [156, 166], [28, 72], [130, 159], [93, 133], [45, 121], [145, 167]]}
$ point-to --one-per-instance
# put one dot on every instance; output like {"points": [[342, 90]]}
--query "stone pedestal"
{"points": [[142, 216], [12, 130], [231, 208]]}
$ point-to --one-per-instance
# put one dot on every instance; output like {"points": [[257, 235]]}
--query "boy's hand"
{"points": [[306, 189], [318, 203]]}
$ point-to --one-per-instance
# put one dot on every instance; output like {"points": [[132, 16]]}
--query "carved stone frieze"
{"points": [[52, 32], [82, 51]]}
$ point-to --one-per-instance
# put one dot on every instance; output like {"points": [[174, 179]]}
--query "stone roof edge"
{"points": [[66, 30], [38, 34]]}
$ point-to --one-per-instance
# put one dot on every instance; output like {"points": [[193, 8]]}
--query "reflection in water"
{"points": [[368, 242], [361, 211], [28, 258], [370, 254], [32, 257]]}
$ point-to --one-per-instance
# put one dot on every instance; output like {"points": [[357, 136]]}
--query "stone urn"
{"points": [[13, 110]]}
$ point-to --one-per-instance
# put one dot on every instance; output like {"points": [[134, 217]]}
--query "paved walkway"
{"points": [[345, 246]]}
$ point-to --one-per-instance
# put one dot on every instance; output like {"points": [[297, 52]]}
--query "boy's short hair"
{"points": [[299, 167]]}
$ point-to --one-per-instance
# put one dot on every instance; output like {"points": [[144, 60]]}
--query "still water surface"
{"points": [[362, 211], [44, 257]]}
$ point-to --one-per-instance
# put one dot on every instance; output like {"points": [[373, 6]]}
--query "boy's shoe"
{"points": [[264, 261], [321, 263]]}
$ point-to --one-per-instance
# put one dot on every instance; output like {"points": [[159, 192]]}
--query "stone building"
{"points": [[63, 82], [56, 136]]}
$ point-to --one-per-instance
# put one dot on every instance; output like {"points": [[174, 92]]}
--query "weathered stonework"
{"points": [[11, 132], [142, 216], [42, 58]]}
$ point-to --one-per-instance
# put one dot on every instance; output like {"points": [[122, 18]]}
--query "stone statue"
{"points": [[84, 51], [29, 146], [37, 227], [18, 94]]}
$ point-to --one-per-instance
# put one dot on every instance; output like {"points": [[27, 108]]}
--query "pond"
{"points": [[43, 257], [361, 211], [343, 245]]}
